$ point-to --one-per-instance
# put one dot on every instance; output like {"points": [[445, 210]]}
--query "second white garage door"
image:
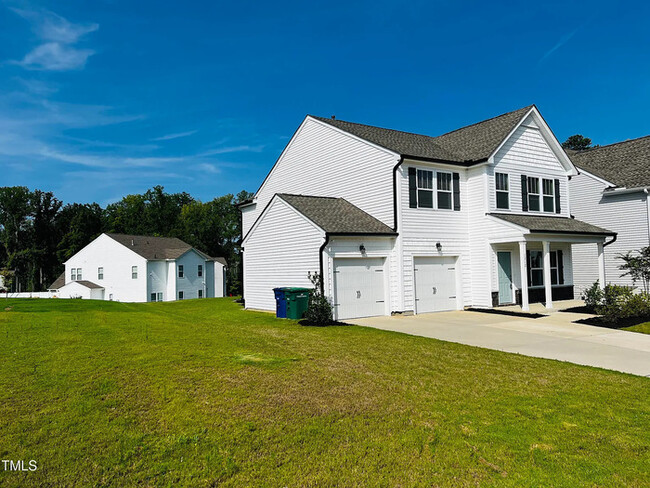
{"points": [[359, 287], [435, 284]]}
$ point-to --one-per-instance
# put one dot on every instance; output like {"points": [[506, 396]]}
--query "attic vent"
{"points": [[132, 242]]}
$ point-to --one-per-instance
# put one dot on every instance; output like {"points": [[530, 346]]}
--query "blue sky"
{"points": [[104, 98]]}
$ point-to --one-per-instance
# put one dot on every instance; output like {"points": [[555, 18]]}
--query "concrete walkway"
{"points": [[551, 337]]}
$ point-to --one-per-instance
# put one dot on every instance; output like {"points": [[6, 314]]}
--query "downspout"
{"points": [[647, 201], [395, 203], [605, 244], [320, 262]]}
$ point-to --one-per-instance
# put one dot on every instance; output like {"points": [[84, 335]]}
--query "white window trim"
{"points": [[100, 273], [450, 191], [497, 191], [134, 272], [199, 270], [552, 194], [79, 274], [434, 189], [539, 195], [554, 269], [181, 271]]}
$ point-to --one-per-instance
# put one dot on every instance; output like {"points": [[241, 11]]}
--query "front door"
{"points": [[505, 277]]}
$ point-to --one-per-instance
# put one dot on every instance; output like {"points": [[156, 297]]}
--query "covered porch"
{"points": [[537, 266]]}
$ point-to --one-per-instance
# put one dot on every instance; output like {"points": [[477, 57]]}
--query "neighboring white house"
{"points": [[405, 223], [611, 190], [131, 268]]}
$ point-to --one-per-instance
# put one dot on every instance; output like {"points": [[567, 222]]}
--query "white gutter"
{"points": [[623, 190]]}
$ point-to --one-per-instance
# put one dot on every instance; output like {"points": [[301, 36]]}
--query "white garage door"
{"points": [[435, 284], [359, 287]]}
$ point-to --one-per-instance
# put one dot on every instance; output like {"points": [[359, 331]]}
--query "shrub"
{"points": [[319, 309], [593, 297]]}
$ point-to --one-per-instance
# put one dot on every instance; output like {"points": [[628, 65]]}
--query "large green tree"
{"points": [[577, 142]]}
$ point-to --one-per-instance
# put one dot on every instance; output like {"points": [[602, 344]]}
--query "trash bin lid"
{"points": [[296, 289]]}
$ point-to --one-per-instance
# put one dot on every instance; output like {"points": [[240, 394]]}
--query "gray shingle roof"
{"points": [[153, 248], [469, 144], [58, 283], [625, 164], [87, 284], [336, 215], [546, 225]]}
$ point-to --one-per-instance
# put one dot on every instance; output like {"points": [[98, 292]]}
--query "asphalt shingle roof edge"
{"points": [[546, 224]]}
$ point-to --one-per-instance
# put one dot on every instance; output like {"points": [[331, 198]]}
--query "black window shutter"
{"points": [[413, 188], [560, 267], [557, 197], [528, 271], [456, 182], [524, 193]]}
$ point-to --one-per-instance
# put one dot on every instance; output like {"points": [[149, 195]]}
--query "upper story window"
{"points": [[425, 188], [100, 273], [134, 272], [533, 194], [548, 188], [444, 190], [422, 188], [181, 273], [503, 190], [200, 271], [73, 274]]}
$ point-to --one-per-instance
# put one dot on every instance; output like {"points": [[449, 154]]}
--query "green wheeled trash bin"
{"points": [[297, 302]]}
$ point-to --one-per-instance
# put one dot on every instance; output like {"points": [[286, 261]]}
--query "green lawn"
{"points": [[202, 393], [643, 328]]}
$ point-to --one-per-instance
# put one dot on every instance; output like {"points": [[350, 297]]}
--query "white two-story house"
{"points": [[611, 190], [131, 268], [397, 222]]}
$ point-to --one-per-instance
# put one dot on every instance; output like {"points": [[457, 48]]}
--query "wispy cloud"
{"points": [[563, 40], [176, 135], [232, 149], [58, 51], [208, 168]]}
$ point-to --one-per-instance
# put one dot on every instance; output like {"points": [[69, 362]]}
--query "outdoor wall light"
{"points": [[439, 247], [362, 249]]}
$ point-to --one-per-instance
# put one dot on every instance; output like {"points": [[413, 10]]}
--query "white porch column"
{"points": [[546, 246], [601, 265], [523, 270]]}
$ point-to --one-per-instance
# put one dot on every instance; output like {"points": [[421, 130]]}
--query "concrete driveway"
{"points": [[550, 337]]}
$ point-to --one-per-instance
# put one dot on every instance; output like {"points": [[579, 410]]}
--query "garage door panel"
{"points": [[435, 284], [359, 287]]}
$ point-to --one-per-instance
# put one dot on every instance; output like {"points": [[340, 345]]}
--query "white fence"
{"points": [[28, 294]]}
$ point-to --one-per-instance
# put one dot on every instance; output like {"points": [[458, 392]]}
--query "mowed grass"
{"points": [[202, 393], [643, 328]]}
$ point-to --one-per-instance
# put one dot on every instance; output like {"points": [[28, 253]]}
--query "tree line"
{"points": [[38, 233]]}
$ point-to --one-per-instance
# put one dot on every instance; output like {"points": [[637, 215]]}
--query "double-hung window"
{"points": [[425, 188], [181, 272], [100, 273], [548, 189], [153, 297], [200, 293], [503, 190], [79, 274], [533, 194], [73, 274], [134, 272], [537, 268], [444, 189], [200, 271]]}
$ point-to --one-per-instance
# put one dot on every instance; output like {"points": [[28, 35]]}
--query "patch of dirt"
{"points": [[600, 322]]}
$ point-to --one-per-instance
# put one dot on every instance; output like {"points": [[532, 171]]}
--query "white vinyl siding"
{"points": [[626, 214], [280, 251], [323, 161]]}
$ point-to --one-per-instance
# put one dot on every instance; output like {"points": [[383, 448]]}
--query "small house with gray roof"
{"points": [[397, 222], [611, 190], [132, 268]]}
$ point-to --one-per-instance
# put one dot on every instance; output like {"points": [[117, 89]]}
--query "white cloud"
{"points": [[58, 51], [232, 149], [176, 135], [208, 168]]}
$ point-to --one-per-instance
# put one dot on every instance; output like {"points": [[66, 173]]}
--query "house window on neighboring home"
{"points": [[425, 188], [200, 271], [548, 188], [100, 273], [533, 194], [159, 296], [180, 295], [134, 272], [73, 274], [153, 297], [503, 190], [200, 293], [78, 274], [444, 190], [181, 273]]}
